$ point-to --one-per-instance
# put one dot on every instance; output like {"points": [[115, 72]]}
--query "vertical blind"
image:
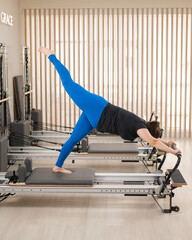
{"points": [[138, 59]]}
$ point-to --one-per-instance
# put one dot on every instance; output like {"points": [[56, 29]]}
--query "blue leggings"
{"points": [[91, 104]]}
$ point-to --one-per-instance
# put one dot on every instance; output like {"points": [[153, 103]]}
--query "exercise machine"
{"points": [[85, 180], [125, 152], [4, 107]]}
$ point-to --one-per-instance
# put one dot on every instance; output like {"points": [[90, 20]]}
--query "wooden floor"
{"points": [[100, 217]]}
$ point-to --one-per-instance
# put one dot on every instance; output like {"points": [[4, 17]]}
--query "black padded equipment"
{"points": [[22, 173], [113, 148], [36, 117], [19, 130], [28, 164], [84, 144], [45, 176]]}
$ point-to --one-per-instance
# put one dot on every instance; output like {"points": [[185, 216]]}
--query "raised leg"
{"points": [[91, 104]]}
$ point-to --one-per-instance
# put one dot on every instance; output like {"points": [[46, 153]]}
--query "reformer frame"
{"points": [[157, 185], [146, 153]]}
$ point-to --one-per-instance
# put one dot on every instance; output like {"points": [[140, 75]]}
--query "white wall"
{"points": [[105, 3], [11, 37]]}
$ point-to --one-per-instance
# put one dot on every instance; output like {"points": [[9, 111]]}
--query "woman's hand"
{"points": [[170, 143], [157, 142], [177, 151]]}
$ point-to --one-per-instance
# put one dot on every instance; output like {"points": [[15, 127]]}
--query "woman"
{"points": [[99, 113]]}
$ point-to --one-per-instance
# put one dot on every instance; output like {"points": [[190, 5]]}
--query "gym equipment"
{"points": [[85, 151], [4, 98], [43, 180], [36, 117], [4, 108], [21, 99], [3, 153], [20, 127], [22, 90]]}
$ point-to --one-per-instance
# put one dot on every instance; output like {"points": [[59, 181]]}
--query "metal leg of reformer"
{"points": [[171, 207]]}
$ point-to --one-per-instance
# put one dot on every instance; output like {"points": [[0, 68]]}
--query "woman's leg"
{"points": [[91, 104], [82, 128]]}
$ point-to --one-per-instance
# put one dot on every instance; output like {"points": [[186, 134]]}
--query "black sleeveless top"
{"points": [[116, 120]]}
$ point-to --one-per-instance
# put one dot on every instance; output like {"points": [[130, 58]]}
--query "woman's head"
{"points": [[154, 128]]}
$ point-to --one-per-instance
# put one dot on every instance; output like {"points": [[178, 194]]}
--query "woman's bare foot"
{"points": [[58, 169], [46, 51]]}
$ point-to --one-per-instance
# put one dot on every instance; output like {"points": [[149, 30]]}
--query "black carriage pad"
{"points": [[45, 176], [113, 148]]}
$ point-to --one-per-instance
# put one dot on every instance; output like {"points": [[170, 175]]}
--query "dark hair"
{"points": [[154, 128]]}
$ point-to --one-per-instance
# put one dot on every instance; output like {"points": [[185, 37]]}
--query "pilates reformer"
{"points": [[84, 151], [85, 180]]}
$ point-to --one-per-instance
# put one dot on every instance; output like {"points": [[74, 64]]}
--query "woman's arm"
{"points": [[155, 142], [163, 141], [169, 143]]}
